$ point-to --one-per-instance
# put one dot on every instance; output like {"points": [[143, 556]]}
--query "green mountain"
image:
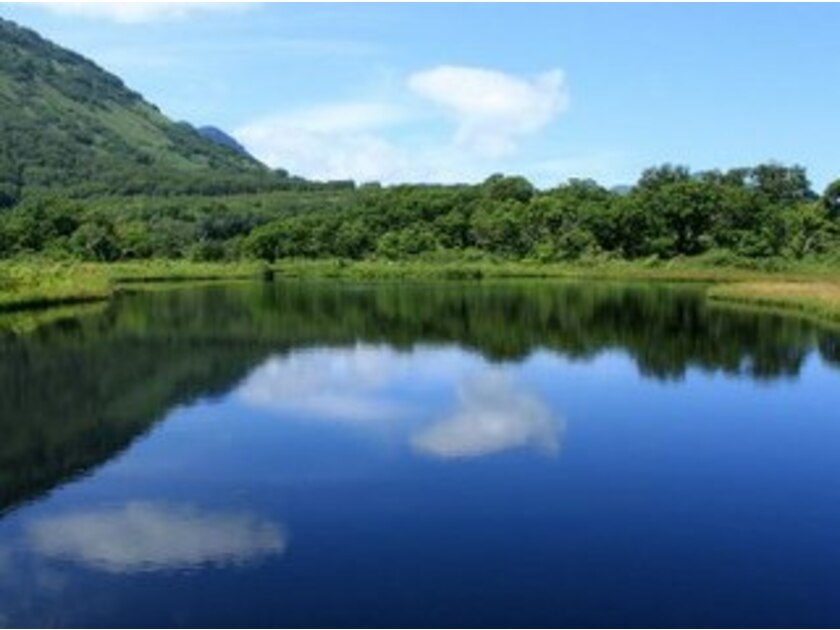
{"points": [[67, 123], [220, 137]]}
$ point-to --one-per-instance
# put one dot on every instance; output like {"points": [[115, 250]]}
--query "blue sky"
{"points": [[456, 92]]}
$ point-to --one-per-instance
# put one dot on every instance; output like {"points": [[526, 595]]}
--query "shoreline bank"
{"points": [[812, 291]]}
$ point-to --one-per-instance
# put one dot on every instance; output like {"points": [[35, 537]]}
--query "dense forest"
{"points": [[90, 170], [752, 213], [766, 211]]}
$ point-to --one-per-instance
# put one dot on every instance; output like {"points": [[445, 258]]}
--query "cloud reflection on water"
{"points": [[345, 385], [491, 416], [365, 385], [148, 536]]}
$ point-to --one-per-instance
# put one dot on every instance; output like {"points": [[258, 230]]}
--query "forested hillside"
{"points": [[67, 124]]}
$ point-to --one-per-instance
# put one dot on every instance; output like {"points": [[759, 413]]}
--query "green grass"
{"points": [[181, 270], [29, 285], [38, 283], [817, 298]]}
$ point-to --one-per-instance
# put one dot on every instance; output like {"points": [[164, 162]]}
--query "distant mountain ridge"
{"points": [[67, 123], [214, 134]]}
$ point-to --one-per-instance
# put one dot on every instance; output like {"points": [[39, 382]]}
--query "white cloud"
{"points": [[147, 536], [493, 110], [137, 12], [347, 117], [389, 142], [358, 155], [492, 416], [335, 141]]}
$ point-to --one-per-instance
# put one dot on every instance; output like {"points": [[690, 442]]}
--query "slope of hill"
{"points": [[65, 122], [220, 137]]}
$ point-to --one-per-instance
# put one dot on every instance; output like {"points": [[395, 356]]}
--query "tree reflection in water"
{"points": [[76, 391]]}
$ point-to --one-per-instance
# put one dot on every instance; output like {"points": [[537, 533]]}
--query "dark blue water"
{"points": [[318, 454]]}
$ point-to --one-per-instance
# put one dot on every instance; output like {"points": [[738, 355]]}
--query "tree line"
{"points": [[765, 211]]}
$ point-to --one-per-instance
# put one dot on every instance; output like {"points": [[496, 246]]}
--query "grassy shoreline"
{"points": [[812, 290], [815, 299], [36, 284]]}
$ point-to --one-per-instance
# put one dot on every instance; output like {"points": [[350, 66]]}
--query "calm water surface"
{"points": [[499, 454]]}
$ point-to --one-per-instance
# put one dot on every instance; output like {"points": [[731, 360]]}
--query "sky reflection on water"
{"points": [[378, 455], [146, 536]]}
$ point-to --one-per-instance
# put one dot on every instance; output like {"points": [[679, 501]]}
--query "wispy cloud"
{"points": [[484, 115], [149, 536], [330, 141], [492, 110], [138, 12], [347, 117], [184, 55]]}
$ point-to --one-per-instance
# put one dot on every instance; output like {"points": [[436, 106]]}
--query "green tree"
{"points": [[506, 188], [8, 195], [831, 199], [207, 251], [135, 240], [808, 230], [352, 240], [498, 228], [688, 208], [782, 184], [262, 243], [96, 241], [654, 178], [6, 240]]}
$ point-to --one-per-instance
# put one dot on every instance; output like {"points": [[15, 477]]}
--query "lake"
{"points": [[319, 453]]}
